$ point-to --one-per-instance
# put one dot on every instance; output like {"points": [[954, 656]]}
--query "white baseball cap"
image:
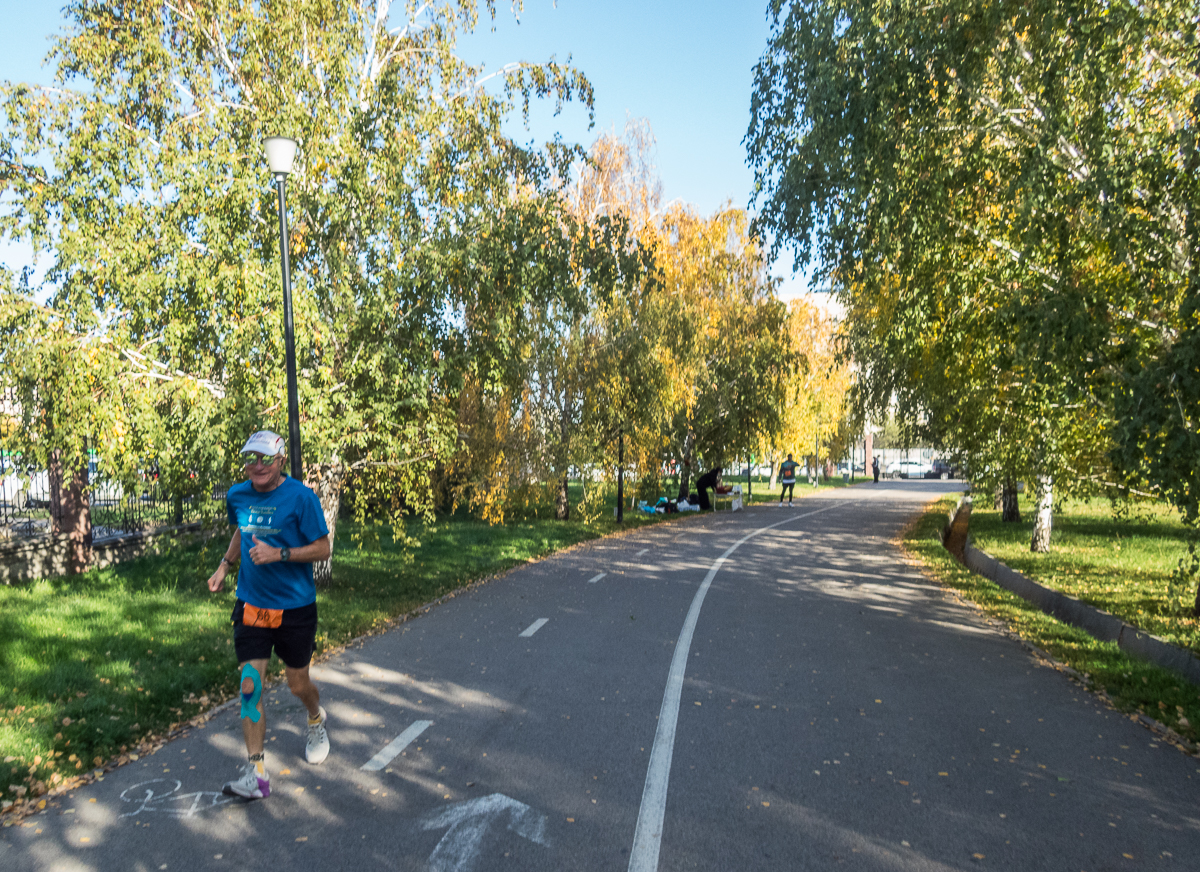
{"points": [[266, 443]]}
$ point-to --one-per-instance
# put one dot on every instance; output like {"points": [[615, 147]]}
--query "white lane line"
{"points": [[640, 553], [533, 628], [595, 578], [647, 836], [394, 747]]}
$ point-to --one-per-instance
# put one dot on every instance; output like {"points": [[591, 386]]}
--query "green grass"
{"points": [[1120, 565], [1131, 685], [92, 664]]}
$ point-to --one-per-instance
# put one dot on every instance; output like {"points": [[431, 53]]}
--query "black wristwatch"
{"points": [[285, 554]]}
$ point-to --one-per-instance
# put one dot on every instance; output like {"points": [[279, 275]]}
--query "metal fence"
{"points": [[29, 510]]}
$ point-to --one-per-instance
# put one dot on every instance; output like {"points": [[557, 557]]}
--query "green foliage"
{"points": [[998, 191], [661, 336], [597, 501], [142, 172], [735, 354], [471, 326], [579, 364], [814, 392]]}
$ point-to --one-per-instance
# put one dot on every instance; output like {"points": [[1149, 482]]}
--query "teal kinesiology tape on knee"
{"points": [[250, 700]]}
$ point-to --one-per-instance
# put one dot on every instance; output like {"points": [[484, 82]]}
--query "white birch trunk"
{"points": [[326, 482], [1045, 515]]}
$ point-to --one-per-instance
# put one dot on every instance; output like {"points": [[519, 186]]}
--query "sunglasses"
{"points": [[249, 458]]}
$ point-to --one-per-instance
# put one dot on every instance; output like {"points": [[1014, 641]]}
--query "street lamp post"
{"points": [[281, 153]]}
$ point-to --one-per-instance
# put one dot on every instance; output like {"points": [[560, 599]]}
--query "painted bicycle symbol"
{"points": [[160, 796]]}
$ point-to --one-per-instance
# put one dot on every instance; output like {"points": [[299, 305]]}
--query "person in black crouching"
{"points": [[709, 481]]}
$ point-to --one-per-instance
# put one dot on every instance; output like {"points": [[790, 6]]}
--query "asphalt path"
{"points": [[769, 689]]}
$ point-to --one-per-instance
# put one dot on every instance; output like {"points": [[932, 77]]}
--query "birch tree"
{"points": [[727, 380], [140, 170], [815, 392], [996, 190]]}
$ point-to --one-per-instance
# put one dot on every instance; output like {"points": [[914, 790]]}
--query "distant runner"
{"points": [[280, 533], [787, 477]]}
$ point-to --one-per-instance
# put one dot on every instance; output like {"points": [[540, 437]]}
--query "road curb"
{"points": [[1096, 622]]}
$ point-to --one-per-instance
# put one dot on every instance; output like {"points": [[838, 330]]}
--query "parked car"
{"points": [[942, 469], [914, 468]]}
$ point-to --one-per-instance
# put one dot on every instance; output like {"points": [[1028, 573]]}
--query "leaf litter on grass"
{"points": [[1122, 562], [1127, 684]]}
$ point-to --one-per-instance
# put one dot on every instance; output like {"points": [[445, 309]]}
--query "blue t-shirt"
{"points": [[288, 515]]}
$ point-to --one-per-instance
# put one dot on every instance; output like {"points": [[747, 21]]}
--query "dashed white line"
{"points": [[647, 835], [595, 578], [533, 628], [640, 553], [394, 747]]}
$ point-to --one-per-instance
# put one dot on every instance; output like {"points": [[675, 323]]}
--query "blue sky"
{"points": [[686, 65]]}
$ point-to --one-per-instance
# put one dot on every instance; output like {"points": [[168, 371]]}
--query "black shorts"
{"points": [[293, 639]]}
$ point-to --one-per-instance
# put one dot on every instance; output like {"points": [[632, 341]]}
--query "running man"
{"points": [[787, 477], [279, 533]]}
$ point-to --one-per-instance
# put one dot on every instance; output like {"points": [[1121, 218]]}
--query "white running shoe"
{"points": [[251, 785], [317, 747]]}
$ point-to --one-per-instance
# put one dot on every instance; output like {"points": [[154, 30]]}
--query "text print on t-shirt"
{"points": [[260, 520]]}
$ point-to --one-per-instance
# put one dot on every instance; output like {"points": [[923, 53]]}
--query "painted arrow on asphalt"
{"points": [[470, 821]]}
